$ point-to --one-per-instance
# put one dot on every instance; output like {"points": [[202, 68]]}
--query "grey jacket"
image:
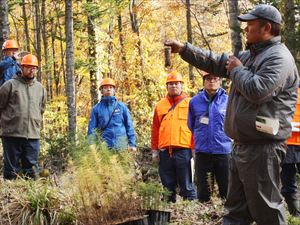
{"points": [[266, 85], [21, 108]]}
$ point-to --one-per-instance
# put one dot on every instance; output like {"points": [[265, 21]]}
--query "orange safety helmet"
{"points": [[174, 77], [10, 44], [107, 81], [30, 60]]}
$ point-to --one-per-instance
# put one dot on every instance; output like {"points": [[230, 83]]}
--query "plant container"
{"points": [[136, 221], [157, 217]]}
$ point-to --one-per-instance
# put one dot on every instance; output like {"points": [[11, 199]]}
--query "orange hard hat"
{"points": [[107, 81], [174, 77], [10, 44], [30, 60]]}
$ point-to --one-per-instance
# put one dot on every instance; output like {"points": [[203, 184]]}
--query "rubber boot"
{"points": [[293, 206]]}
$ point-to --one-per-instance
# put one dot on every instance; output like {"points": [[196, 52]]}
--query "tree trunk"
{"points": [[125, 85], [92, 57], [46, 53], [235, 27], [290, 26], [38, 48], [189, 36], [135, 29], [70, 70], [55, 66], [26, 29], [4, 25], [110, 49], [62, 52], [16, 26]]}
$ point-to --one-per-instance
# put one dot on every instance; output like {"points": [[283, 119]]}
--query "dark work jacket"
{"points": [[265, 85]]}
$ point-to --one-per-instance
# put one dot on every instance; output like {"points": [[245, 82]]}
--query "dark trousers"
{"points": [[176, 171], [208, 166], [20, 156], [288, 179], [254, 185]]}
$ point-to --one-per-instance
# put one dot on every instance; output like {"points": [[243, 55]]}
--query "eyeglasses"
{"points": [[31, 68], [214, 79]]}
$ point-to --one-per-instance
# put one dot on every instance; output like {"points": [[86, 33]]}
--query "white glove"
{"points": [[155, 156], [132, 150]]}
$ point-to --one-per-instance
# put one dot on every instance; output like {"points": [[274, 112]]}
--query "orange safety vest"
{"points": [[295, 139], [171, 129]]}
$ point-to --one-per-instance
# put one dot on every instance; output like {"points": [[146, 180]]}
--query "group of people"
{"points": [[258, 118], [243, 139]]}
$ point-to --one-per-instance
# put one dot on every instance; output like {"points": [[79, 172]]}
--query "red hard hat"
{"points": [[30, 60], [107, 81], [10, 44], [174, 77]]}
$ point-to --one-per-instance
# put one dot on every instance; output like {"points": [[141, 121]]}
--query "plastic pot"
{"points": [[135, 221], [157, 217]]}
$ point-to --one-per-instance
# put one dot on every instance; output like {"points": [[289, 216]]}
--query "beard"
{"points": [[29, 78]]}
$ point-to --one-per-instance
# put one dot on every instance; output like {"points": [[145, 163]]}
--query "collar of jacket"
{"points": [[209, 96], [108, 99], [9, 58], [19, 77], [175, 99], [256, 48]]}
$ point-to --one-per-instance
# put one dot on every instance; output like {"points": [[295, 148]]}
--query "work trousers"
{"points": [[20, 157], [289, 181], [175, 170], [290, 168], [208, 167], [254, 185]]}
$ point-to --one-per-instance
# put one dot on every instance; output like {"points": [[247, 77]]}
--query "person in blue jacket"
{"points": [[212, 147], [112, 119], [9, 65]]}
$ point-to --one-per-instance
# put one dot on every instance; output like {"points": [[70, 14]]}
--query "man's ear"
{"points": [[268, 27]]}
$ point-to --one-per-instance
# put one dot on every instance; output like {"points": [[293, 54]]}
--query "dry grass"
{"points": [[30, 202]]}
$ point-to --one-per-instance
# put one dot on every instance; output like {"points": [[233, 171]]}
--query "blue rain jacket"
{"points": [[120, 132], [8, 68], [206, 122]]}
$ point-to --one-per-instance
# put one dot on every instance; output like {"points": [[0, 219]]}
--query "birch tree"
{"points": [[189, 35]]}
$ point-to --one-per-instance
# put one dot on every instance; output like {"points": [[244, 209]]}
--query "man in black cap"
{"points": [[260, 109]]}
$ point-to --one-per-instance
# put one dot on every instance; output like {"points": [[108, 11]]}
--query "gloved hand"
{"points": [[132, 150], [155, 156]]}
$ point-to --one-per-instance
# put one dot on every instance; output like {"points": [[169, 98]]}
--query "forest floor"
{"points": [[182, 212]]}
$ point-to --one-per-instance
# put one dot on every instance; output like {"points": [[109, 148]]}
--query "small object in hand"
{"points": [[167, 50]]}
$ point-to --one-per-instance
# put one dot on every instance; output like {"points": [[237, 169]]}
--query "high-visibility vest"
{"points": [[173, 130], [295, 139]]}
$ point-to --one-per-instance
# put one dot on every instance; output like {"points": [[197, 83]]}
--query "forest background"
{"points": [[78, 43]]}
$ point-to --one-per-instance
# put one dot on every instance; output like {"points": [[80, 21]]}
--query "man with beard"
{"points": [[22, 104]]}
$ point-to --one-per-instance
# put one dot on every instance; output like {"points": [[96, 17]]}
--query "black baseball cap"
{"points": [[262, 11]]}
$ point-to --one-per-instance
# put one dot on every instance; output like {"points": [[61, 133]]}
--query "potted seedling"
{"points": [[154, 197]]}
